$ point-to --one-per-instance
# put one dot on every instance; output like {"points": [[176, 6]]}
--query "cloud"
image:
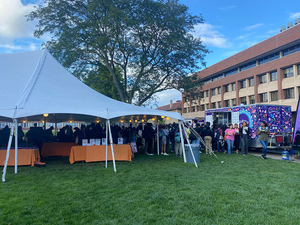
{"points": [[254, 26], [225, 8], [164, 97], [294, 15], [210, 36], [13, 22]]}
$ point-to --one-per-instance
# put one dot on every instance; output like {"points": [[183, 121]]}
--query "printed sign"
{"points": [[235, 117], [92, 141], [98, 142], [120, 141], [84, 142], [103, 141]]}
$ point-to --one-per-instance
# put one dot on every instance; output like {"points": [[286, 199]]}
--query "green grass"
{"points": [[154, 190]]}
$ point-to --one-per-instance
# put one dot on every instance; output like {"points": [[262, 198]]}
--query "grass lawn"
{"points": [[154, 190]]}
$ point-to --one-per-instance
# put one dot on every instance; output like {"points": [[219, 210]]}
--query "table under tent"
{"points": [[34, 84]]}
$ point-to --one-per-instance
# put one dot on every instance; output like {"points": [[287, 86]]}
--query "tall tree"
{"points": [[149, 42]]}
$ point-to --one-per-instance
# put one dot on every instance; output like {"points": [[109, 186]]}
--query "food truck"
{"points": [[278, 117]]}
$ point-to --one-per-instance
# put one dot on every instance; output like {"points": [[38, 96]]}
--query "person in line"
{"points": [[164, 133], [148, 135], [263, 132], [245, 132], [237, 138], [230, 138], [207, 138], [220, 139], [178, 146]]}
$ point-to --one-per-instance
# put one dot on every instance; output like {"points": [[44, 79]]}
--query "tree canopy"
{"points": [[140, 47]]}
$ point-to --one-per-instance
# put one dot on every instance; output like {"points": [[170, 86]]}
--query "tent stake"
{"points": [[157, 136], [106, 143], [16, 145], [182, 142], [7, 152], [111, 146]]}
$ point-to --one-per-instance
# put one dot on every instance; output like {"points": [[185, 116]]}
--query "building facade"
{"points": [[172, 107], [268, 73]]}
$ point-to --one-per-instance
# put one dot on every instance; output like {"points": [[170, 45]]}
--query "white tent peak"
{"points": [[34, 83]]}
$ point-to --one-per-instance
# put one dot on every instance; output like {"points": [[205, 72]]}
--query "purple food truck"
{"points": [[278, 117]]}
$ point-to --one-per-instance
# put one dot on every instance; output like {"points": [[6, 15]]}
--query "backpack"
{"points": [[177, 138], [217, 134], [192, 137]]}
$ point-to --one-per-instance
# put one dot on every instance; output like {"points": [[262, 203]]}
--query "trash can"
{"points": [[188, 153]]}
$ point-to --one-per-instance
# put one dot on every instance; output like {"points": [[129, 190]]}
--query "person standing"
{"points": [[178, 146], [245, 132], [230, 138], [164, 133], [237, 138], [220, 139], [207, 138], [263, 132]]}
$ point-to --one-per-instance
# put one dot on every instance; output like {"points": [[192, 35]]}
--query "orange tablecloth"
{"points": [[25, 157], [97, 153], [57, 148]]}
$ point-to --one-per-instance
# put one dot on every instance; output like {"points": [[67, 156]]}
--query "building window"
{"points": [[288, 72], [274, 96], [213, 91], [227, 88], [289, 93], [288, 51], [217, 78], [185, 110], [248, 66], [243, 84], [233, 101], [244, 100], [299, 69], [219, 90], [202, 107], [228, 73], [207, 81], [273, 76], [263, 79], [251, 82], [213, 105], [233, 86], [207, 106], [207, 94], [251, 99], [298, 48], [193, 108], [227, 103], [264, 97], [219, 105]]}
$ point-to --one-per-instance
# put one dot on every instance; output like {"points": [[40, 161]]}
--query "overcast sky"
{"points": [[230, 27]]}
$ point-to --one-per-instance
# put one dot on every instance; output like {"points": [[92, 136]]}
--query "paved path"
{"points": [[274, 156]]}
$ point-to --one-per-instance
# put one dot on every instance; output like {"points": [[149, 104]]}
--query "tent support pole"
{"points": [[188, 141], [111, 146], [16, 145], [182, 141], [106, 143], [157, 137], [7, 152]]}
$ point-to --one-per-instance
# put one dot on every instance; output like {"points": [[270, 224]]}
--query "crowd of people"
{"points": [[216, 137]]}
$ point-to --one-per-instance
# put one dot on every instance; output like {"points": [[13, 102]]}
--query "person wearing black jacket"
{"points": [[208, 134], [244, 131]]}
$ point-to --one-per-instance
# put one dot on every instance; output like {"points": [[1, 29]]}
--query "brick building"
{"points": [[172, 107], [268, 73]]}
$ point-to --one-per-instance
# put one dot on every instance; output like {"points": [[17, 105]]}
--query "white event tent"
{"points": [[35, 83]]}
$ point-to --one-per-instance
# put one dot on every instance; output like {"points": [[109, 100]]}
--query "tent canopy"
{"points": [[35, 83]]}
